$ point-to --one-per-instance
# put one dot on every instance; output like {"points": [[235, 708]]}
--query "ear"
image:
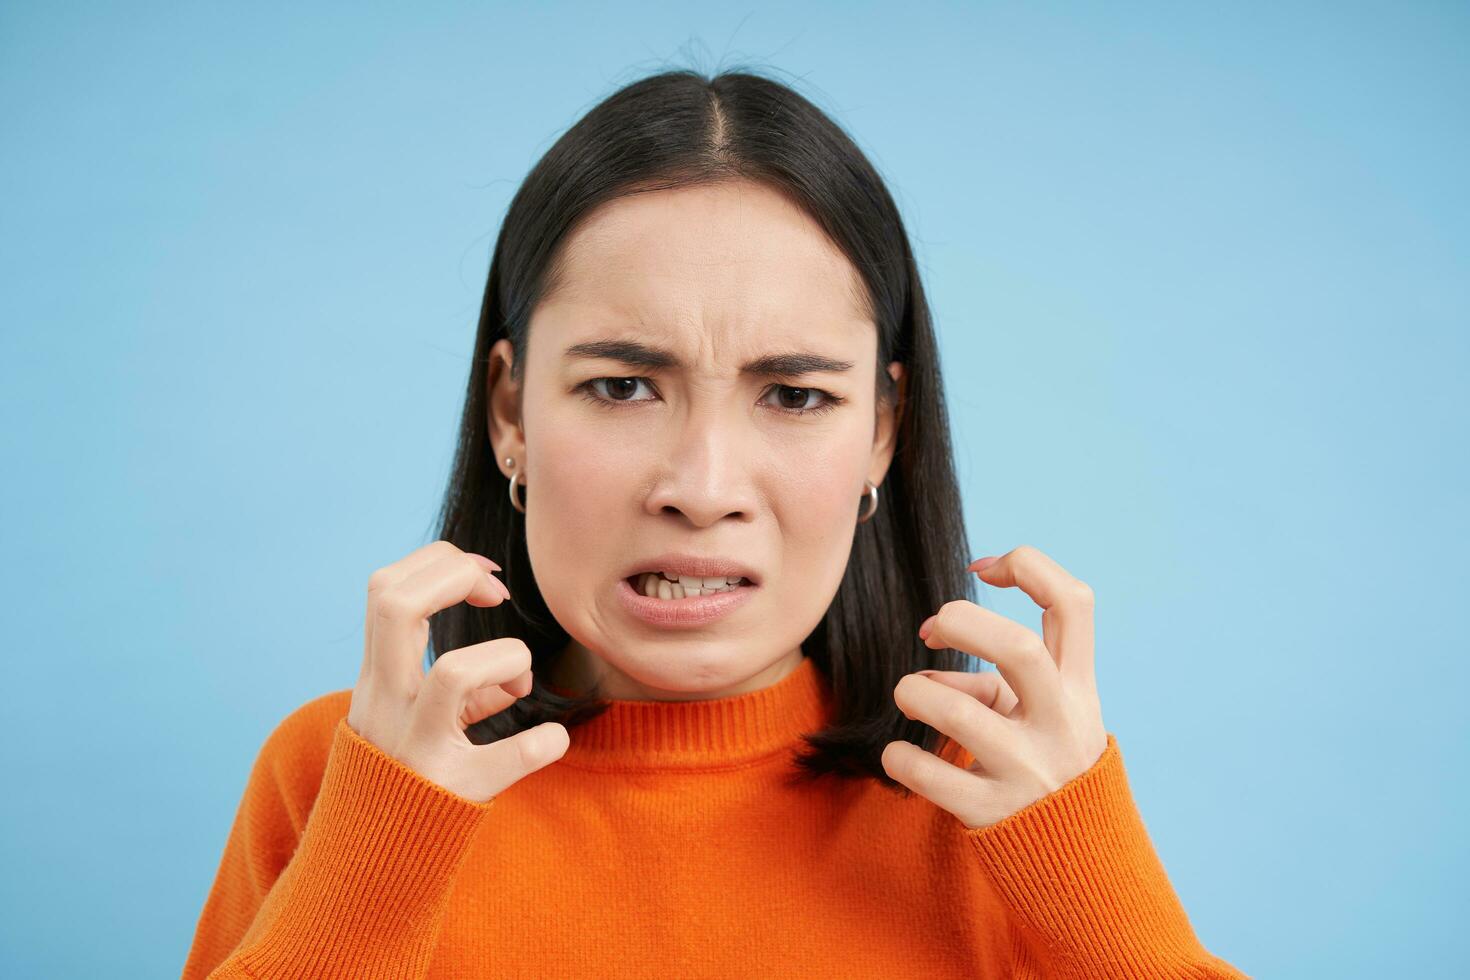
{"points": [[885, 432], [503, 409]]}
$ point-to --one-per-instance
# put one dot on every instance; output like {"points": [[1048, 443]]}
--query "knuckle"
{"points": [[393, 604], [440, 549], [1024, 646], [1082, 594], [1026, 552], [379, 580], [955, 717], [1033, 647], [520, 652], [451, 673], [988, 688]]}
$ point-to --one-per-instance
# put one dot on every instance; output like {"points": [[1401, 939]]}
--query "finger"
{"points": [[408, 565], [981, 731], [1066, 601], [985, 686], [421, 558], [505, 761], [961, 792], [520, 686], [492, 699], [400, 612], [1019, 653], [465, 674]]}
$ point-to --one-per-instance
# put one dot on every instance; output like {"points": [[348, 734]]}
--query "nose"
{"points": [[704, 475]]}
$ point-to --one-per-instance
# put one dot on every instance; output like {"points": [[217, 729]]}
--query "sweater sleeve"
{"points": [[1086, 889], [361, 890]]}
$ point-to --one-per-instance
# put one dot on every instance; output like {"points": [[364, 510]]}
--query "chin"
{"points": [[685, 676]]}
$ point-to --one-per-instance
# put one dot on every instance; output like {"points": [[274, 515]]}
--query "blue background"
{"points": [[1200, 276]]}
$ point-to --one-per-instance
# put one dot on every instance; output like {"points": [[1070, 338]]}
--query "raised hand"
{"points": [[1030, 728], [420, 718]]}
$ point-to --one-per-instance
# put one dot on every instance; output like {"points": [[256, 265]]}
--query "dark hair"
{"points": [[680, 128]]}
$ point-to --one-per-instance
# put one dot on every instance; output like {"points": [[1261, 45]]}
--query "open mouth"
{"points": [[662, 585]]}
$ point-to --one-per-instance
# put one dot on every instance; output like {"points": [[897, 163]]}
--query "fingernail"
{"points": [[484, 561], [927, 626], [503, 589], [980, 564], [927, 673]]}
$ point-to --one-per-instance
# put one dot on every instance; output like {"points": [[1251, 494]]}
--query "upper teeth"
{"points": [[670, 586], [701, 583]]}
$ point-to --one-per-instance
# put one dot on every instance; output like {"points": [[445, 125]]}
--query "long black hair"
{"points": [[679, 128]]}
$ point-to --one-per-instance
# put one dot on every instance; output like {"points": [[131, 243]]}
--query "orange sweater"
{"points": [[667, 844]]}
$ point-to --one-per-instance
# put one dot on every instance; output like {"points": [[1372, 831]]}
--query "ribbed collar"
{"points": [[742, 729]]}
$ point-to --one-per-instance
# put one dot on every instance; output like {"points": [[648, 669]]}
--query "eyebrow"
{"points": [[784, 364]]}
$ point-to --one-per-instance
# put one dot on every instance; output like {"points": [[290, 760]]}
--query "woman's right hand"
{"points": [[419, 717]]}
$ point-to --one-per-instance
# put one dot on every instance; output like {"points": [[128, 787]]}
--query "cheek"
{"points": [[815, 499], [576, 501], [582, 474], [810, 488]]}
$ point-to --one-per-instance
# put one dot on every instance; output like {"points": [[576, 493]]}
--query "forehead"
{"points": [[733, 265]]}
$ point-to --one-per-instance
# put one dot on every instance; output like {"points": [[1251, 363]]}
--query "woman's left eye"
{"points": [[617, 388], [828, 401]]}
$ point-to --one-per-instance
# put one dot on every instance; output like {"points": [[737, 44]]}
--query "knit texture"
{"points": [[671, 841]]}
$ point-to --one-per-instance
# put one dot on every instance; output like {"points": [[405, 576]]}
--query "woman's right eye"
{"points": [[618, 390]]}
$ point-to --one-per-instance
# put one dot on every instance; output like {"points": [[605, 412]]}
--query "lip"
{"points": [[683, 613], [680, 563]]}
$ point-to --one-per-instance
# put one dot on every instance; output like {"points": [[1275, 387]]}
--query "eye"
{"points": [[798, 405], [619, 389]]}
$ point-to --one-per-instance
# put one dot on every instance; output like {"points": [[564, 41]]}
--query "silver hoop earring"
{"points": [[873, 506], [514, 479]]}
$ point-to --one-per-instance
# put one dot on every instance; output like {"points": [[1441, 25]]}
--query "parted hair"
{"points": [[679, 128]]}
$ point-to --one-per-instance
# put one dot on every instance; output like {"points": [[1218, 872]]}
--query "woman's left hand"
{"points": [[1031, 727]]}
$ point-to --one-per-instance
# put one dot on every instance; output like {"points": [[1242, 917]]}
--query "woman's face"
{"points": [[622, 460]]}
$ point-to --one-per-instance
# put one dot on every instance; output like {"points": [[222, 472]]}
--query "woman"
{"points": [[688, 731]]}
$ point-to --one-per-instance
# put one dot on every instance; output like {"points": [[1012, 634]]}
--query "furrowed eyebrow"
{"points": [[781, 365]]}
